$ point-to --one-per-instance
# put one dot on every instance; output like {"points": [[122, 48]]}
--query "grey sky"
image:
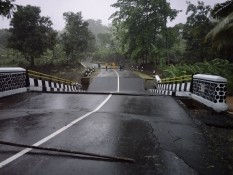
{"points": [[91, 9]]}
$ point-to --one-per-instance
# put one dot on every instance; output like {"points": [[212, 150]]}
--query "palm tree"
{"points": [[222, 34], [7, 8]]}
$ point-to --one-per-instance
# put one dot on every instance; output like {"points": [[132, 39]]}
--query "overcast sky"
{"points": [[91, 9]]}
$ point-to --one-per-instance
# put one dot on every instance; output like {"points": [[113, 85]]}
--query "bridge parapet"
{"points": [[12, 81], [177, 86], [209, 90], [37, 81]]}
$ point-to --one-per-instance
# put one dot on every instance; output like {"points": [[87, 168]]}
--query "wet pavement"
{"points": [[154, 130]]}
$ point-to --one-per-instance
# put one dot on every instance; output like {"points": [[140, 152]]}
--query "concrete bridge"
{"points": [[116, 117]]}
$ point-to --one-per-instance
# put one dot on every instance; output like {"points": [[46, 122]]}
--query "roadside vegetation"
{"points": [[218, 67], [138, 35]]}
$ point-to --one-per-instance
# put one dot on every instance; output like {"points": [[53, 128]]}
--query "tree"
{"points": [[96, 27], [175, 44], [104, 39], [7, 8], [76, 36], [220, 35], [221, 10], [197, 26], [141, 24], [4, 36], [31, 34]]}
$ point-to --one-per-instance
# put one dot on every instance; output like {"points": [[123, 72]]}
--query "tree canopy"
{"points": [[140, 25], [222, 33], [96, 27], [105, 39], [76, 36], [6, 8], [196, 28], [221, 10], [139, 33], [31, 34], [4, 36]]}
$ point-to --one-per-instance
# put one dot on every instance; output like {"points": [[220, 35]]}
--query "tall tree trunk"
{"points": [[166, 39]]}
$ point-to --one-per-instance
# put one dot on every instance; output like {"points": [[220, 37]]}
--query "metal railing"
{"points": [[180, 79], [42, 76]]}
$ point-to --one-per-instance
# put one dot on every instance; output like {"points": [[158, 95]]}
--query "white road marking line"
{"points": [[118, 81], [26, 150]]}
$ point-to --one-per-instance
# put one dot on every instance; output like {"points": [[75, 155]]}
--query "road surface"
{"points": [[124, 121]]}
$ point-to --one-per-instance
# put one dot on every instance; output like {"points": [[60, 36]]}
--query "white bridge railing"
{"points": [[209, 90], [14, 80]]}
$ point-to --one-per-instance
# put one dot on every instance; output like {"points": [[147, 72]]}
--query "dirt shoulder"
{"points": [[230, 103], [217, 129]]}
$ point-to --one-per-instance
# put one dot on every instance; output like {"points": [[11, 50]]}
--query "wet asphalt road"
{"points": [[154, 130]]}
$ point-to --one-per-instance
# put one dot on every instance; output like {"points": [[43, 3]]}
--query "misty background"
{"points": [[92, 9]]}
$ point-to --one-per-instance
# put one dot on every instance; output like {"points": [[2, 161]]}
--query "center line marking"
{"points": [[26, 150], [118, 81]]}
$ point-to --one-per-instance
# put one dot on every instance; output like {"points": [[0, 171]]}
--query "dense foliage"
{"points": [[96, 27], [221, 35], [196, 28], [31, 34], [6, 8], [217, 67], [4, 36], [141, 26], [76, 37]]}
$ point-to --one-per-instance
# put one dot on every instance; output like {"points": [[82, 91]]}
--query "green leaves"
{"points": [[217, 67], [220, 35], [76, 36], [104, 39], [31, 34], [7, 8], [197, 26], [221, 10], [140, 24]]}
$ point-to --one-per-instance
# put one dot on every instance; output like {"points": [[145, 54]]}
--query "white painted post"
{"points": [[157, 81]]}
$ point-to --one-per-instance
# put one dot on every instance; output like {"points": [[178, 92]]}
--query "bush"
{"points": [[215, 67]]}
